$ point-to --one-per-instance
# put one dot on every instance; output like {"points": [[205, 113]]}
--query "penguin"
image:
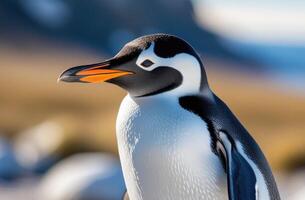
{"points": [[84, 176], [176, 138]]}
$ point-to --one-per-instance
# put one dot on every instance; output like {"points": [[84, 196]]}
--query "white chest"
{"points": [[165, 152]]}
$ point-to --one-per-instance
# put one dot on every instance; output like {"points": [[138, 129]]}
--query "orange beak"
{"points": [[94, 73]]}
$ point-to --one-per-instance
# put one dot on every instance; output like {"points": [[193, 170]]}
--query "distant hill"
{"points": [[106, 25]]}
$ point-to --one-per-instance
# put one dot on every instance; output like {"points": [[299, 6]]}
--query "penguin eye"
{"points": [[147, 63]]}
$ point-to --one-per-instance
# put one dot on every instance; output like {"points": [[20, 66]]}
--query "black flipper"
{"points": [[240, 175], [220, 120]]}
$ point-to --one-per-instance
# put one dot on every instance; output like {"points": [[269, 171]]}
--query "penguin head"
{"points": [[150, 65]]}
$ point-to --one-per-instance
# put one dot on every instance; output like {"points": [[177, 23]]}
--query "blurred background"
{"points": [[57, 140]]}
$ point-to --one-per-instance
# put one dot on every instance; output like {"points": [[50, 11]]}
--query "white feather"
{"points": [[165, 152]]}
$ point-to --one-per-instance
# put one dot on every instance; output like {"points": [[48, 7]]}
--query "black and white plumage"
{"points": [[176, 138]]}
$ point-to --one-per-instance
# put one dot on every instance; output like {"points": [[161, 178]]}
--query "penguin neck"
{"points": [[174, 96], [193, 84]]}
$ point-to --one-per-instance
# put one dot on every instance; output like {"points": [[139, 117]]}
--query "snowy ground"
{"points": [[292, 188]]}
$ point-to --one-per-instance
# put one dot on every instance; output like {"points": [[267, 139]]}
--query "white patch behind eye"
{"points": [[186, 64], [148, 54]]}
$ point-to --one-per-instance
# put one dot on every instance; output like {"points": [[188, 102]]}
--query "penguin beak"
{"points": [[94, 73]]}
